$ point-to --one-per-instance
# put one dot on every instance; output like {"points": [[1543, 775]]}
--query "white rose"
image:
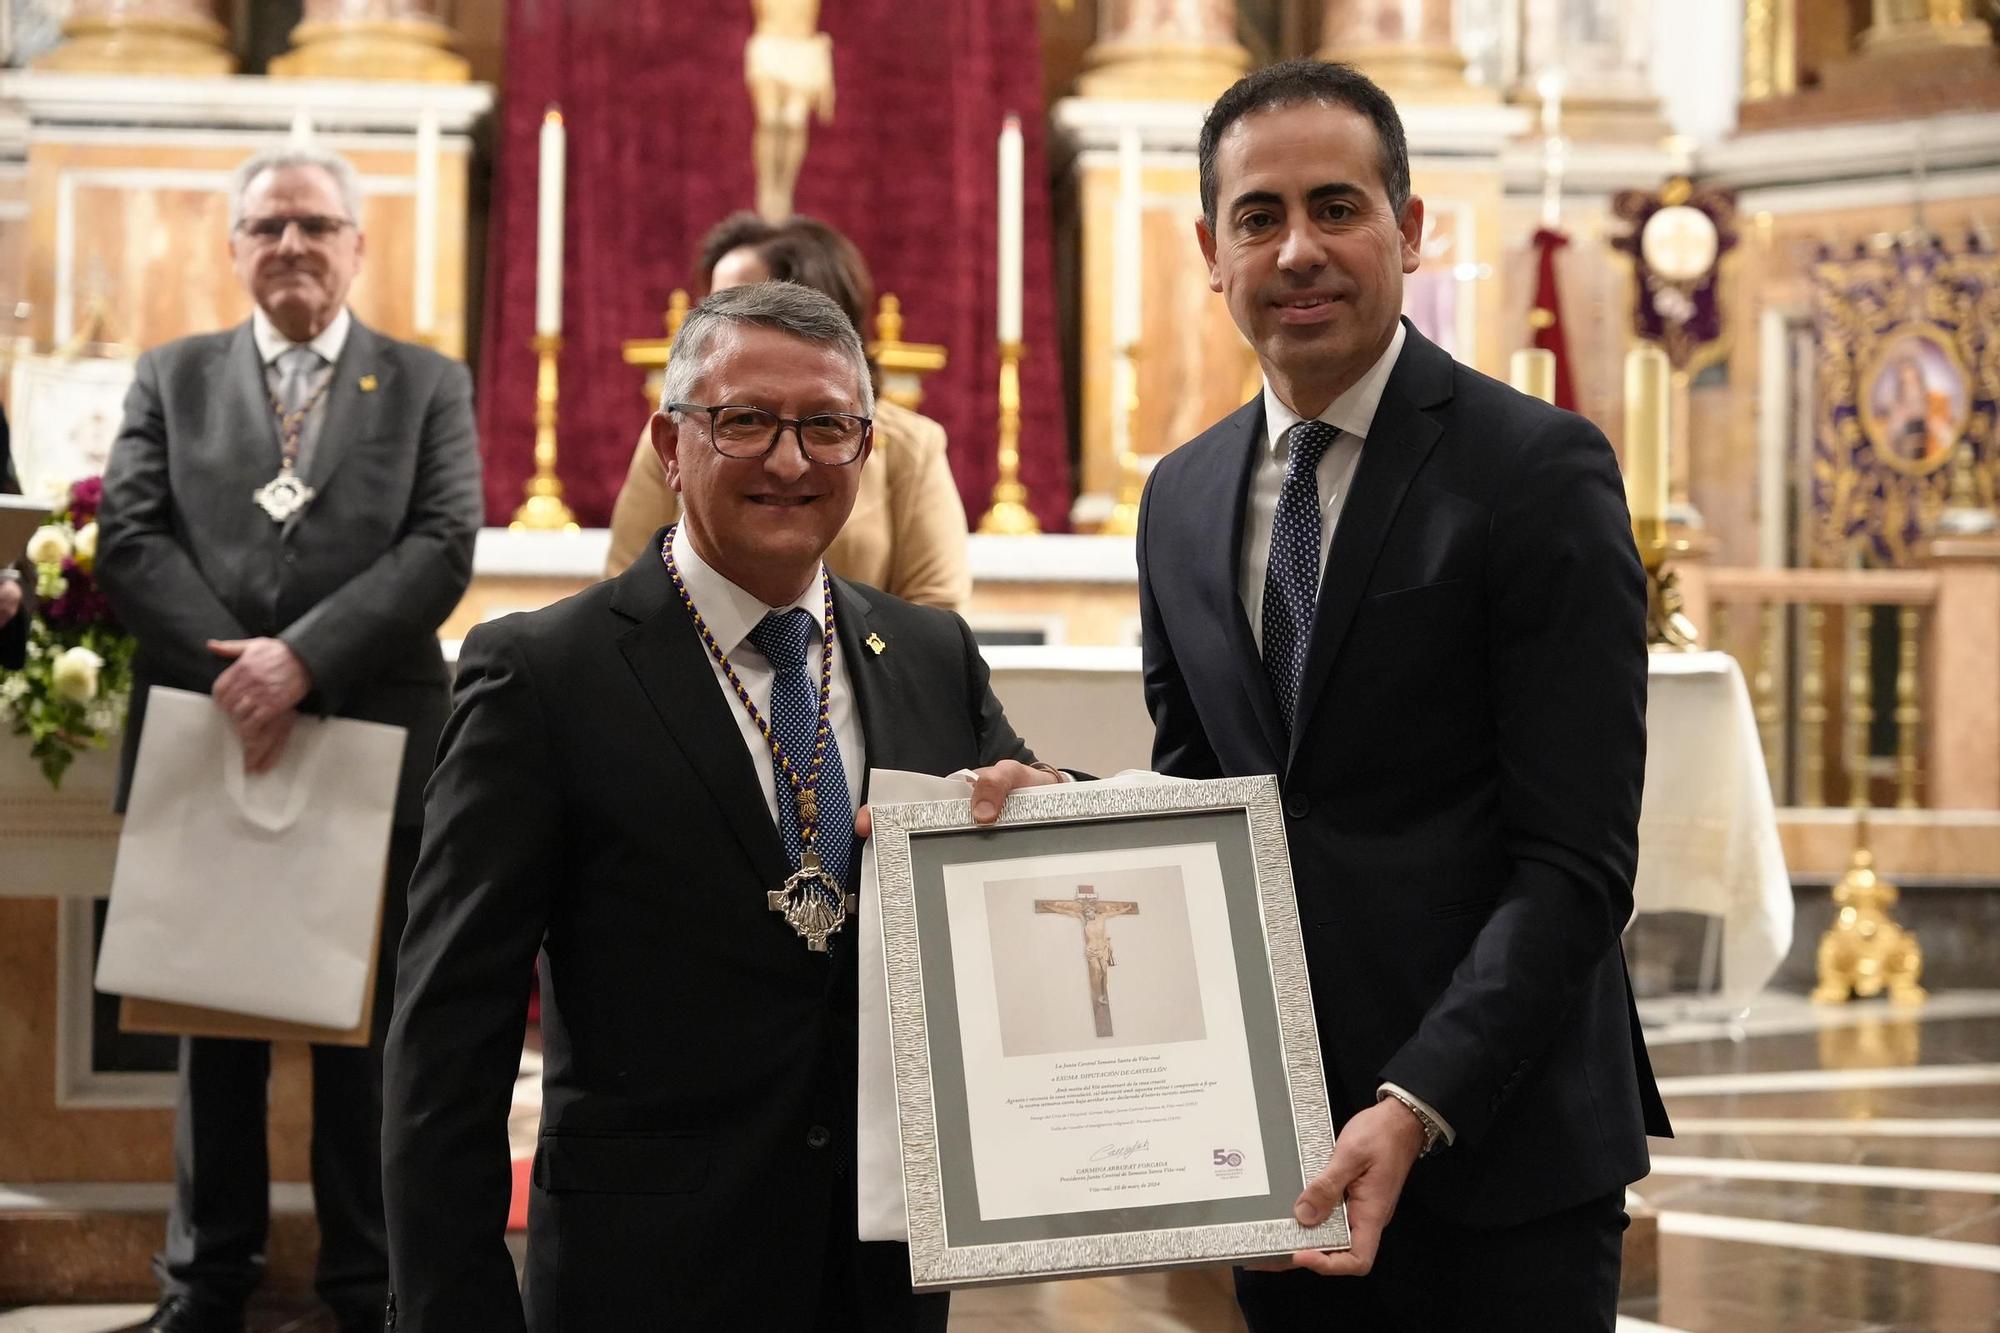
{"points": [[86, 545], [49, 545], [75, 674]]}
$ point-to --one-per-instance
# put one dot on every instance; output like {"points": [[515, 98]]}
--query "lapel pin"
{"points": [[368, 383], [875, 644]]}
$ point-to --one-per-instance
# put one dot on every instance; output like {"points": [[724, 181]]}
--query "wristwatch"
{"points": [[1433, 1131]]}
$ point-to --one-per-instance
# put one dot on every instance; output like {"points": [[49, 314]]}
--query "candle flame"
{"points": [[553, 116]]}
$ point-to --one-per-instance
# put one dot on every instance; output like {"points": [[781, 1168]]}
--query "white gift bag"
{"points": [[252, 893]]}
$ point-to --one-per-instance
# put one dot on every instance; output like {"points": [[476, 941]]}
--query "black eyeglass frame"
{"points": [[797, 425]]}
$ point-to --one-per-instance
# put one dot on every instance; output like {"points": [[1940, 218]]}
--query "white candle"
{"points": [[423, 314], [1126, 242], [1010, 230], [1550, 86], [549, 229]]}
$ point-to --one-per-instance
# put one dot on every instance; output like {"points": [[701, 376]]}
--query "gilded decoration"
{"points": [[1907, 376], [1679, 236]]}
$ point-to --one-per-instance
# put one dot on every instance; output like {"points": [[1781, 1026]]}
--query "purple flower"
{"points": [[85, 497], [82, 603]]}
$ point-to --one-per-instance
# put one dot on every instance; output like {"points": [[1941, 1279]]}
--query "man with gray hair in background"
{"points": [[655, 785], [289, 514]]}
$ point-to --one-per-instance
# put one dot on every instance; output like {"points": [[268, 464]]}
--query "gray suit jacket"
{"points": [[357, 584]]}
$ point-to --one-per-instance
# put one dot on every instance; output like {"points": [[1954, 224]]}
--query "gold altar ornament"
{"points": [[903, 364], [544, 510], [1865, 951], [1010, 515]]}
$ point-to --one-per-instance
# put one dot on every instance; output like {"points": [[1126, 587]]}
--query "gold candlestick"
{"points": [[1010, 516], [544, 510], [1123, 521]]}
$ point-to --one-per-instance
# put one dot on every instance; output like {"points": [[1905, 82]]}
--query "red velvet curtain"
{"points": [[659, 125]]}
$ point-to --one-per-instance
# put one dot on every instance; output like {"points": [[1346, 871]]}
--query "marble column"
{"points": [[142, 37], [1163, 50], [373, 39], [1407, 46], [1902, 26]]}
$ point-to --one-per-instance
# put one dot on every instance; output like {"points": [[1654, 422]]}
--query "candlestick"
{"points": [[1123, 521], [423, 315], [1550, 86], [1010, 230], [1010, 515], [1126, 241], [549, 229], [544, 509], [1533, 372], [1646, 374]]}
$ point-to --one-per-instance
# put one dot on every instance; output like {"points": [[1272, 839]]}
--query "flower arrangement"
{"points": [[71, 694]]}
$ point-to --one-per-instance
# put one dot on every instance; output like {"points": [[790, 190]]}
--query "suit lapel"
{"points": [[672, 665], [352, 413], [1227, 470], [875, 678], [1399, 440]]}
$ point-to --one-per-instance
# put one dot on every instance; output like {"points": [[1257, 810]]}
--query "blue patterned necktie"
{"points": [[784, 637], [1291, 579]]}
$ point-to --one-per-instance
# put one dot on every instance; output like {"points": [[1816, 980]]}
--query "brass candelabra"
{"points": [[1668, 629], [1010, 515], [544, 510]]}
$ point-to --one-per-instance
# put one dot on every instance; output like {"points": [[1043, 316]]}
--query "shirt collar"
{"points": [[1353, 411], [272, 344], [729, 612]]}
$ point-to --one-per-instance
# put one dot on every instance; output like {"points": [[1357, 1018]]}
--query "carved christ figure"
{"points": [[1092, 912], [788, 64]]}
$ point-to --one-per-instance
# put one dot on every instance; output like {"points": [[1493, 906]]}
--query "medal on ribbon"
{"points": [[287, 493], [811, 900]]}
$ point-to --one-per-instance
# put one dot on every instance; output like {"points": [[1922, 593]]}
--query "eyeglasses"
{"points": [[312, 226], [736, 431]]}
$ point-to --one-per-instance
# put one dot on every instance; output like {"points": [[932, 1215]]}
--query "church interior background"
{"points": [[1754, 240]]}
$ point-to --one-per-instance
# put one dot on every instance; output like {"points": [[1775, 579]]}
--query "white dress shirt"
{"points": [[1353, 413], [731, 614], [272, 344]]}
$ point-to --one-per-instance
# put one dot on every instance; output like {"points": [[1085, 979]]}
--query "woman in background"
{"points": [[906, 535]]}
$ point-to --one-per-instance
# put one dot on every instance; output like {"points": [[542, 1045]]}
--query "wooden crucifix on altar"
{"points": [[1093, 912]]}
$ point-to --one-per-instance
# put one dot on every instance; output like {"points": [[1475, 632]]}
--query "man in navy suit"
{"points": [[1419, 604]]}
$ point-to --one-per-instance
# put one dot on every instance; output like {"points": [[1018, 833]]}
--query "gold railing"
{"points": [[1827, 653]]}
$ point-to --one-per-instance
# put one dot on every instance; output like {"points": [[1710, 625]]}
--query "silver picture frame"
{"points": [[972, 1206]]}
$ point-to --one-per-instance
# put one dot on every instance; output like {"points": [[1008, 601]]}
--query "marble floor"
{"points": [[1836, 1171]]}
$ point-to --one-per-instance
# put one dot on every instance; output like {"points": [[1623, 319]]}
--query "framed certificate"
{"points": [[1104, 1046]]}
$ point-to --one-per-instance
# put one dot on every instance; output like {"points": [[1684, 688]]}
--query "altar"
{"points": [[1052, 589]]}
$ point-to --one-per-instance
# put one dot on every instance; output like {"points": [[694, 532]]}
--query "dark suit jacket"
{"points": [[1462, 787], [356, 585], [594, 800]]}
